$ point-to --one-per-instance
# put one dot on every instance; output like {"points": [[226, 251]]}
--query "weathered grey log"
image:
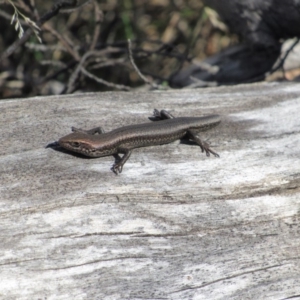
{"points": [[175, 224]]}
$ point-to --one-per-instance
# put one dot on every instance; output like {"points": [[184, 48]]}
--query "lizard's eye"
{"points": [[75, 144]]}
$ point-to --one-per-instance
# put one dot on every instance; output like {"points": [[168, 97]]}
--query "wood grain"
{"points": [[175, 224]]}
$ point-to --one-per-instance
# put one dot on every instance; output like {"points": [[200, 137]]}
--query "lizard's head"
{"points": [[88, 145], [76, 142]]}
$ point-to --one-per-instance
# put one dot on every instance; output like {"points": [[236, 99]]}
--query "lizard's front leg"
{"points": [[118, 166]]}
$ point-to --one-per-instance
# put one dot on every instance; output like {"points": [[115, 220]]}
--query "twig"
{"points": [[63, 70], [109, 63], [102, 81], [98, 20], [79, 67], [63, 41], [43, 47], [147, 81], [74, 8], [54, 63], [16, 44]]}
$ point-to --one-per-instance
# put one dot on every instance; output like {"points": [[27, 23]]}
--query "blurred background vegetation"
{"points": [[84, 43]]}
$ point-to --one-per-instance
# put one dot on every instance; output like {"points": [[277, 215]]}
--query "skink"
{"points": [[97, 143]]}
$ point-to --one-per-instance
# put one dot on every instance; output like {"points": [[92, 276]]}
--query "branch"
{"points": [[146, 80], [102, 81], [80, 68]]}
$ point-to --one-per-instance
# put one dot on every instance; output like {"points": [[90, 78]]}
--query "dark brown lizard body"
{"points": [[124, 139]]}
